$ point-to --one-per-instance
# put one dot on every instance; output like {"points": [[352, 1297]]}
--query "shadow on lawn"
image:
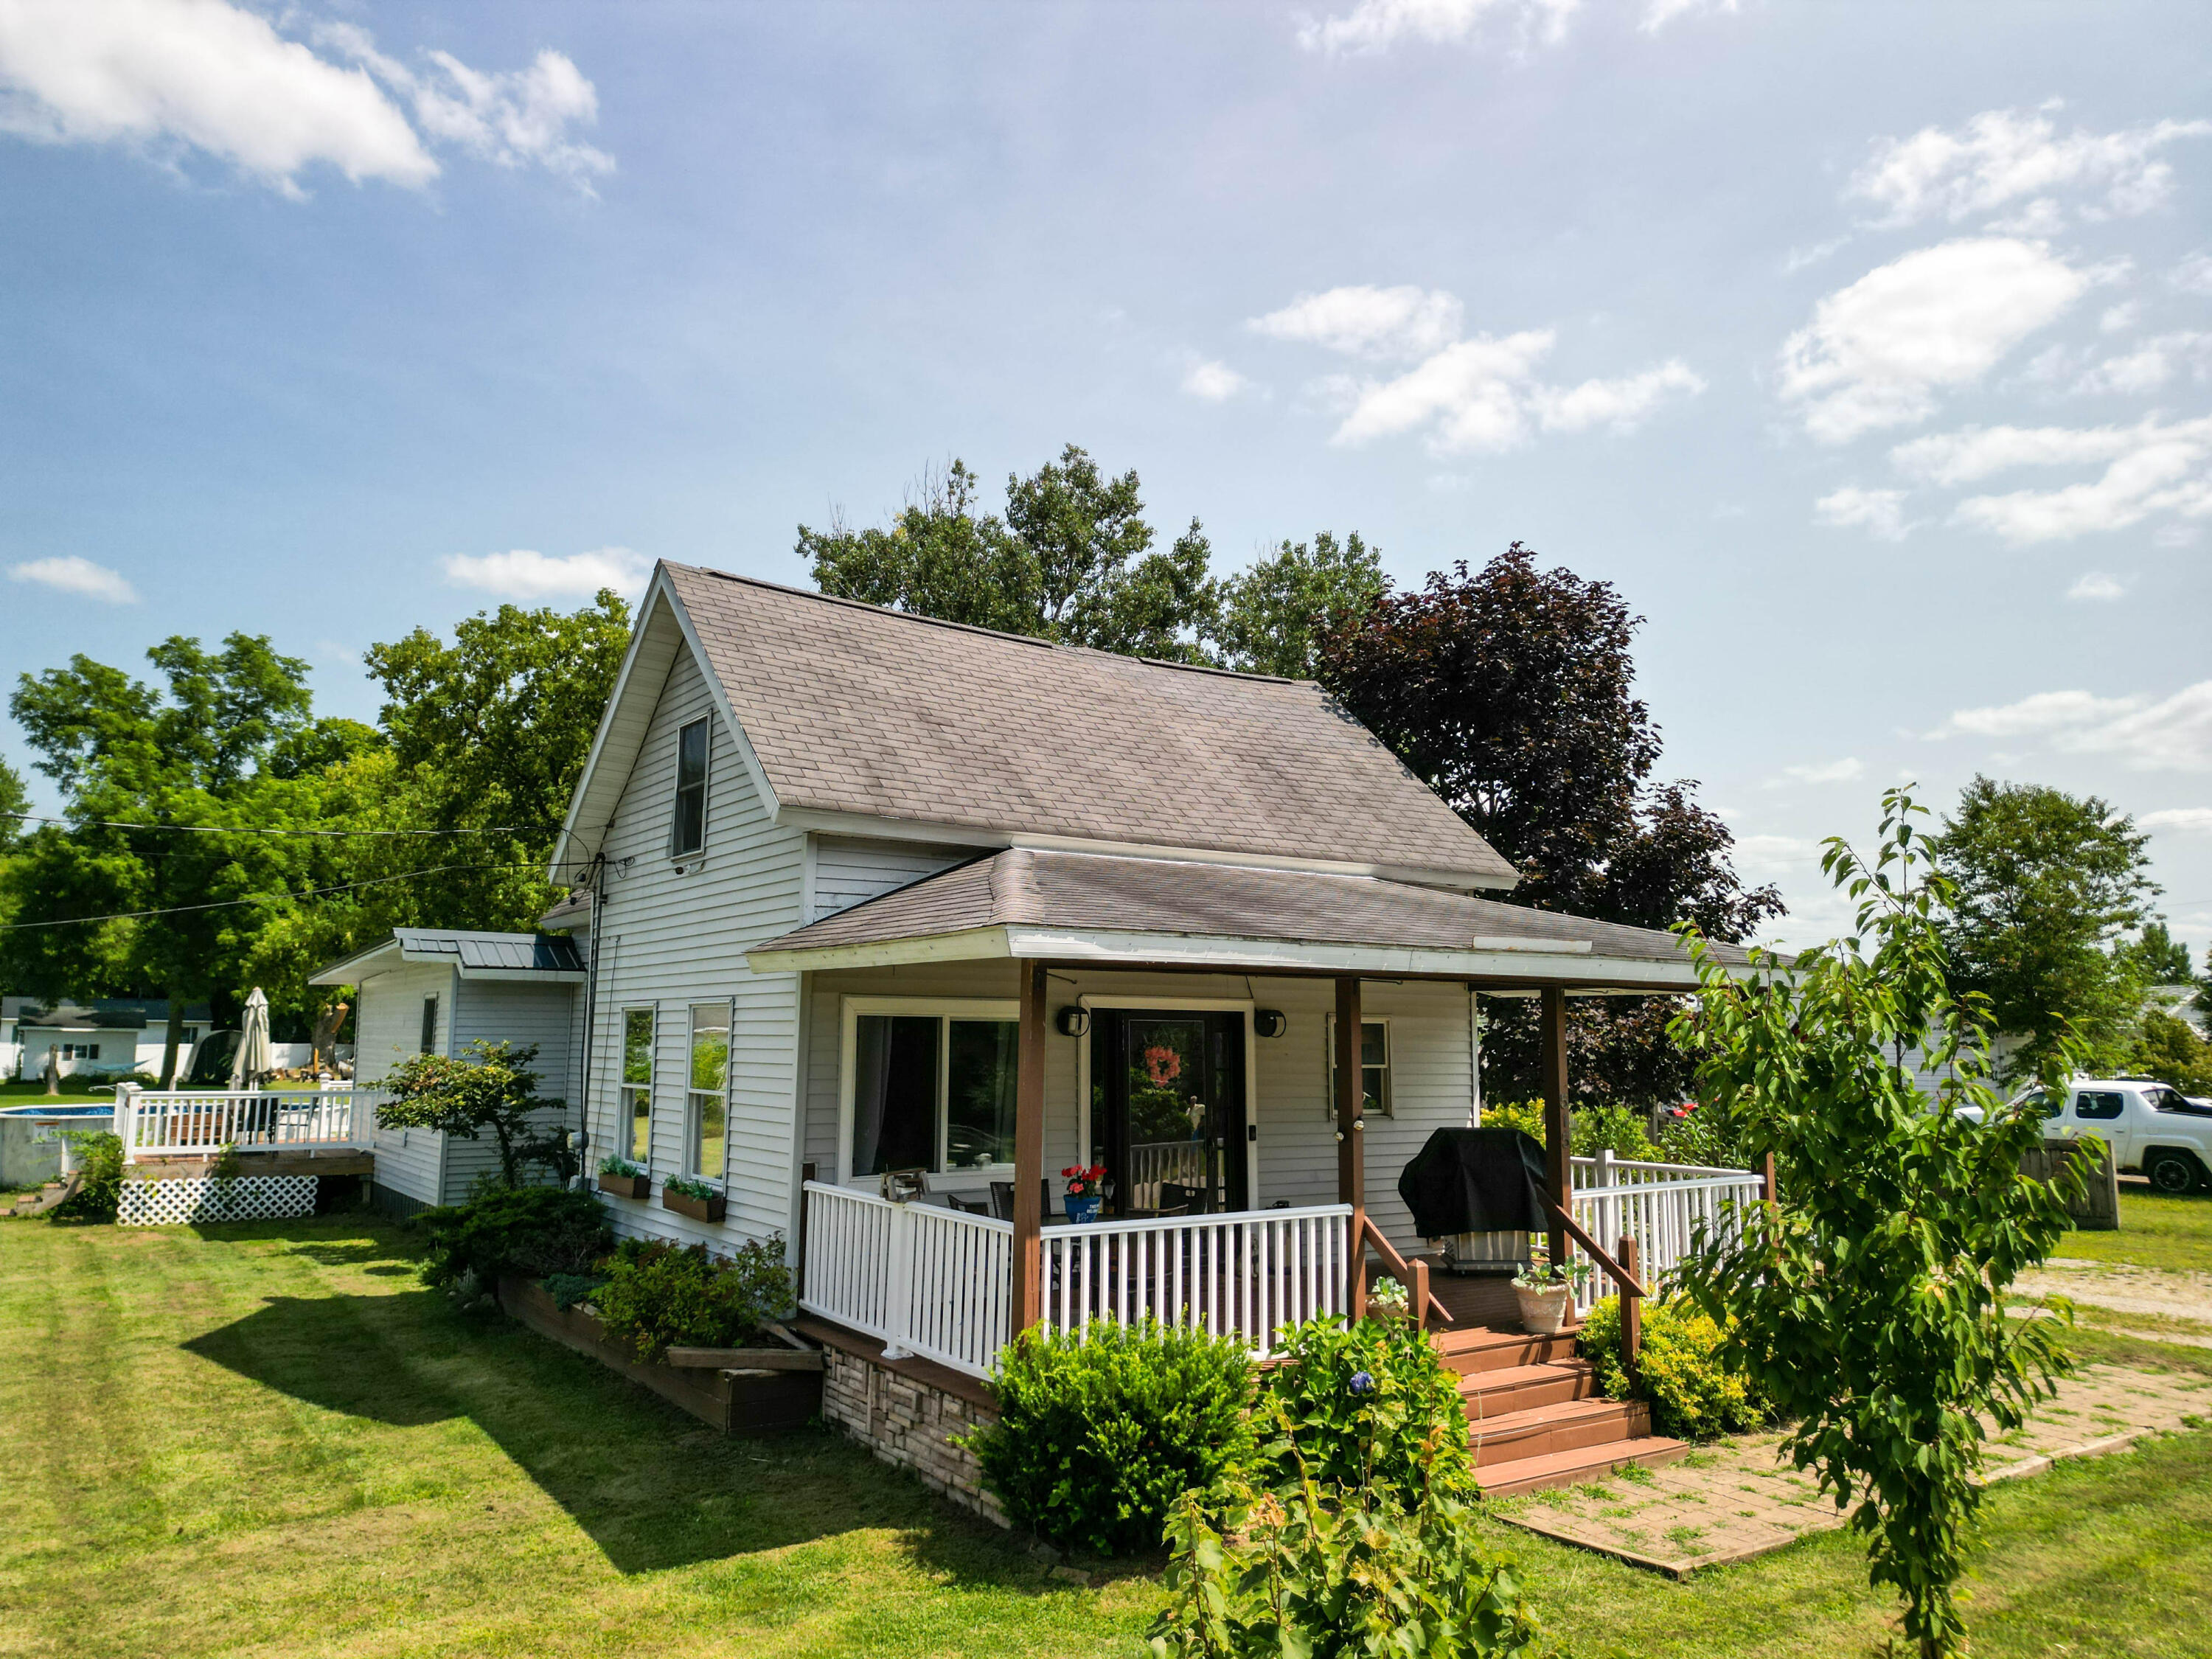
{"points": [[652, 1488]]}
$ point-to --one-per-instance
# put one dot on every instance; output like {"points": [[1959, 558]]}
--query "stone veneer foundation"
{"points": [[909, 1412]]}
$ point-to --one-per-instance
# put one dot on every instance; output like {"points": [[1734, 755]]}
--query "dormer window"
{"points": [[690, 834]]}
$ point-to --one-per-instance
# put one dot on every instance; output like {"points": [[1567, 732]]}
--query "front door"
{"points": [[1167, 1110]]}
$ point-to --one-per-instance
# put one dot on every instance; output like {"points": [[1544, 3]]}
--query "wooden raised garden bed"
{"points": [[746, 1401], [622, 1186], [698, 1209]]}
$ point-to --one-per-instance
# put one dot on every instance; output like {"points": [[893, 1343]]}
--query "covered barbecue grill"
{"points": [[1478, 1194]]}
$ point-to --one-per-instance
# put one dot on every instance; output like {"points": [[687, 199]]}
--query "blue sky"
{"points": [[1865, 347]]}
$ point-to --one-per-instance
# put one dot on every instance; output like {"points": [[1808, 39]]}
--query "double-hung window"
{"points": [[637, 1084], [1374, 1067], [689, 834], [429, 1044], [929, 1085], [707, 1093]]}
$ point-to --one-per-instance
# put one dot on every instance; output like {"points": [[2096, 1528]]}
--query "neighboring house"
{"points": [[2179, 1002], [428, 990], [877, 893], [94, 1037]]}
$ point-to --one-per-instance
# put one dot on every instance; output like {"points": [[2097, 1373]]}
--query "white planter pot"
{"points": [[1544, 1312]]}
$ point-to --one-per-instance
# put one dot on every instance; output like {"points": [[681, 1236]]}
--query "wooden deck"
{"points": [[331, 1161]]}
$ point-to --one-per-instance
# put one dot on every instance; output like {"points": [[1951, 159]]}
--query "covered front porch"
{"points": [[1253, 1055]]}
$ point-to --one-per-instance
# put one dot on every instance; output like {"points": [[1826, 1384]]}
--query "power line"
{"points": [[229, 829], [261, 898]]}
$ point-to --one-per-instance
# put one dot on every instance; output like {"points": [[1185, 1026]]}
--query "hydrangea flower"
{"points": [[1362, 1383]]}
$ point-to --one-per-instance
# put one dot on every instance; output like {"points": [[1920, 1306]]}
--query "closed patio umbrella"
{"points": [[254, 1061]]}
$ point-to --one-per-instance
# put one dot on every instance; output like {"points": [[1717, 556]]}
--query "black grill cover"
{"points": [[1476, 1181]]}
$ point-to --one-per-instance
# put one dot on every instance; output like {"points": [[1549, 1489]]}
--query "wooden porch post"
{"points": [[1350, 1153], [1558, 1149], [1028, 1150]]}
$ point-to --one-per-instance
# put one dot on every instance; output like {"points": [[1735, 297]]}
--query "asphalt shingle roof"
{"points": [[1031, 888], [854, 708]]}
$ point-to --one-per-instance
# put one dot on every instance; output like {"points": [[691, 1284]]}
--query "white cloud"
{"points": [[2156, 470], [2168, 734], [2119, 318], [1471, 396], [522, 575], [2151, 365], [2004, 156], [1657, 13], [1799, 258], [1848, 770], [200, 75], [2097, 586], [1381, 323], [2193, 275], [1881, 511], [1878, 352], [509, 117], [1976, 452], [1377, 24], [1213, 382], [2188, 820], [71, 575], [172, 76]]}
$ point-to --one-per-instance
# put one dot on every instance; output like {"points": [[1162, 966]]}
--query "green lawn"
{"points": [[2155, 1231], [268, 1439], [34, 1094]]}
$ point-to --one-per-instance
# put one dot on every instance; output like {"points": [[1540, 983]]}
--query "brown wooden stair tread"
{"points": [[1566, 1469]]}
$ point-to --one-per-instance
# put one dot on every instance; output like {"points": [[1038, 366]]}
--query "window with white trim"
{"points": [[930, 1085], [1374, 1067], [707, 1096], [689, 833], [637, 1084]]}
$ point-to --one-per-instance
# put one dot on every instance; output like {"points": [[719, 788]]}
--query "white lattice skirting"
{"points": [[245, 1198]]}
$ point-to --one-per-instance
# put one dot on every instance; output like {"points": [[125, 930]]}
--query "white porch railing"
{"points": [[1153, 1162], [1661, 1205], [191, 1124], [939, 1283], [1245, 1273]]}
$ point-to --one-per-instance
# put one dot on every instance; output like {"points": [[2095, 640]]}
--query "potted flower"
{"points": [[624, 1179], [1085, 1190], [689, 1196], [1545, 1289]]}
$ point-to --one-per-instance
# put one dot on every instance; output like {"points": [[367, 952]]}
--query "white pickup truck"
{"points": [[2153, 1128]]}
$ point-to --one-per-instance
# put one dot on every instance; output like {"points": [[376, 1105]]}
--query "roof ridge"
{"points": [[988, 632]]}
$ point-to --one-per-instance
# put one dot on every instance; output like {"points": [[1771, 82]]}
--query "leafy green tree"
{"points": [[1870, 1304], [14, 798], [1510, 690], [2046, 884], [125, 752], [2157, 957], [1072, 559], [489, 1088], [2170, 1050], [1276, 614]]}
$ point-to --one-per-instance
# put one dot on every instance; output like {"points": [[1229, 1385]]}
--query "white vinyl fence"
{"points": [[1661, 1205], [182, 1123], [938, 1282]]}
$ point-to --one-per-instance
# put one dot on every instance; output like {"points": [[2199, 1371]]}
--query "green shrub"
{"points": [[1526, 1115], [658, 1296], [1322, 1573], [1369, 1401], [1618, 1129], [98, 1155], [1701, 1136], [572, 1290], [1694, 1396], [1097, 1435], [532, 1230]]}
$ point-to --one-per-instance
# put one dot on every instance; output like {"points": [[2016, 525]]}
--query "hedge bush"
{"points": [[660, 1296], [532, 1230], [1693, 1397], [1369, 1401], [1098, 1436]]}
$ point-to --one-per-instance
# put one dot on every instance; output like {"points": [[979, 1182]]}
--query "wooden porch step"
{"points": [[1480, 1348], [1510, 1388], [1567, 1426], [1567, 1468]]}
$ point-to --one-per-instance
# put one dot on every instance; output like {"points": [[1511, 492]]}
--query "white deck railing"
{"points": [[1661, 1205], [1153, 1162], [196, 1123], [1245, 1273], [938, 1283]]}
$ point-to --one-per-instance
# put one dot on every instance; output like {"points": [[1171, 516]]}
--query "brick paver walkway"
{"points": [[1725, 1502]]}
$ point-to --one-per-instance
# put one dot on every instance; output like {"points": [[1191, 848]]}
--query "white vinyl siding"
{"points": [[668, 940], [849, 871], [388, 1028], [517, 1011]]}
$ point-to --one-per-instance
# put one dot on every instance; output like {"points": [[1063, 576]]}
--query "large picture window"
{"points": [[637, 1083], [932, 1087], [708, 1094], [690, 833]]}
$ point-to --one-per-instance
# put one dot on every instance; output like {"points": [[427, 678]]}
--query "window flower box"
{"points": [[624, 1179], [693, 1198]]}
